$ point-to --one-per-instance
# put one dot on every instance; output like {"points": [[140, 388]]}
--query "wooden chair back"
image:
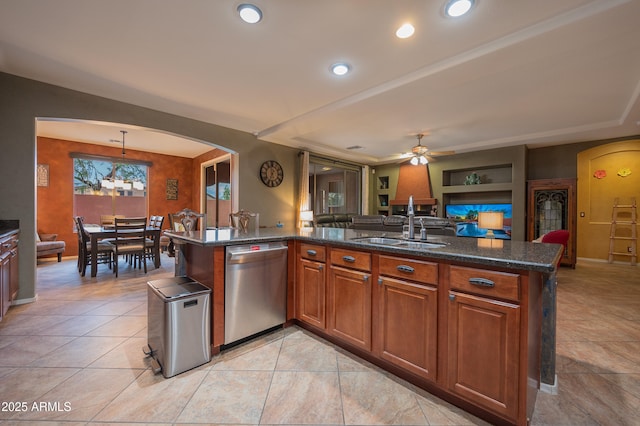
{"points": [[187, 220]]}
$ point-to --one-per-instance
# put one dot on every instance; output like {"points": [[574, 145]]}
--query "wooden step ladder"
{"points": [[624, 216]]}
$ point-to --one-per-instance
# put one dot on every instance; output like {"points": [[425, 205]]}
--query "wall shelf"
{"points": [[483, 187], [489, 175]]}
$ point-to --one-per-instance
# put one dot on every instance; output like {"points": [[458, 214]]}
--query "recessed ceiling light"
{"points": [[250, 13], [456, 8], [340, 68], [405, 31]]}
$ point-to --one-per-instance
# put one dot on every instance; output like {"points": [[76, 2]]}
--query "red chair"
{"points": [[560, 236]]}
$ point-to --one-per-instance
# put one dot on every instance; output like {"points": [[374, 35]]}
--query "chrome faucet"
{"points": [[412, 231]]}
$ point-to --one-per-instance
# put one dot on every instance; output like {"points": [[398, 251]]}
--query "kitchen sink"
{"points": [[379, 240], [419, 245], [397, 242]]}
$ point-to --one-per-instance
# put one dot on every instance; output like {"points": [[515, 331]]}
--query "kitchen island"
{"points": [[471, 324]]}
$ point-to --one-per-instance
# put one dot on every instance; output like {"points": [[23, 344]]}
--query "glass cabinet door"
{"points": [[550, 207], [551, 211]]}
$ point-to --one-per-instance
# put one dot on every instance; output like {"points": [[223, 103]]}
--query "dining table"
{"points": [[97, 233]]}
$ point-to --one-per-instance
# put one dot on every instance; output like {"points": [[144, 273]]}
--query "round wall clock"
{"points": [[271, 173]]}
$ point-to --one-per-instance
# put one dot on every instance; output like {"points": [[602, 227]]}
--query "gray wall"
{"points": [[560, 161], [23, 100]]}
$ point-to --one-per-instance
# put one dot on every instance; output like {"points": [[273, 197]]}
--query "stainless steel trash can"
{"points": [[178, 324]]}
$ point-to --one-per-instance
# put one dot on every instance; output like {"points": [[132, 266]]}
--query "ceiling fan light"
{"points": [[414, 161], [423, 160]]}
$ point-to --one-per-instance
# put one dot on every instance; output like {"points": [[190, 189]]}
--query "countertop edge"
{"points": [[483, 258]]}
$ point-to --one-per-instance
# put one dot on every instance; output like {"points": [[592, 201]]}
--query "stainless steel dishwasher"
{"points": [[255, 297]]}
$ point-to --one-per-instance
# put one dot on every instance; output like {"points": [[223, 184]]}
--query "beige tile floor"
{"points": [[78, 350]]}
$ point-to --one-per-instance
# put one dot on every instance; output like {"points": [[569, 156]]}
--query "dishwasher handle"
{"points": [[251, 253]]}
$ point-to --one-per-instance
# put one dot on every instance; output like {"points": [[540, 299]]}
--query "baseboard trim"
{"points": [[550, 389], [24, 301]]}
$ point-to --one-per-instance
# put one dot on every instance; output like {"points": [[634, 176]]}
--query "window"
{"points": [[104, 186], [335, 186]]}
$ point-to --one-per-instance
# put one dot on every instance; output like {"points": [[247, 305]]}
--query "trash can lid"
{"points": [[177, 291], [164, 282]]}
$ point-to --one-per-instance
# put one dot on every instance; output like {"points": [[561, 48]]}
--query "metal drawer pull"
{"points": [[365, 278], [311, 252], [481, 282], [349, 259], [405, 268], [380, 281], [320, 267]]}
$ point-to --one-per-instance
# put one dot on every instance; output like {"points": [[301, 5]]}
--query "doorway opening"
{"points": [[217, 191]]}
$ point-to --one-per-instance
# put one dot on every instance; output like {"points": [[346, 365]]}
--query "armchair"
{"points": [[47, 244]]}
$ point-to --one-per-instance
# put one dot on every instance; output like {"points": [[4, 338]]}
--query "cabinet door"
{"points": [[14, 280], [311, 293], [350, 306], [408, 326], [484, 352], [5, 278]]}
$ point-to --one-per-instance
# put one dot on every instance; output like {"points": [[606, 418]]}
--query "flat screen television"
{"points": [[465, 217]]}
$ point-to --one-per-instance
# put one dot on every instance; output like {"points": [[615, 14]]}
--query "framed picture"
{"points": [[43, 175], [172, 189]]}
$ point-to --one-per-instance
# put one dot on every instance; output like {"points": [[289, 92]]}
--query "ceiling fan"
{"points": [[422, 155]]}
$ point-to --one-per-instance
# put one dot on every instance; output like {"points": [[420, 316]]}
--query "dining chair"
{"points": [[109, 219], [130, 239], [242, 219], [156, 223], [104, 249], [189, 220]]}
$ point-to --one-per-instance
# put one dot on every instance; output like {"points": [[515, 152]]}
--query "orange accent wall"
{"points": [[55, 202]]}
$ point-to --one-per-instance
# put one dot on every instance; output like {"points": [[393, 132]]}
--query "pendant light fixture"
{"points": [[120, 182]]}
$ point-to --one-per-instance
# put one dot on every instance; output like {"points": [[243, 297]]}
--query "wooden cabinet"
{"points": [[311, 285], [461, 331], [484, 339], [551, 205], [8, 272], [349, 307], [407, 314]]}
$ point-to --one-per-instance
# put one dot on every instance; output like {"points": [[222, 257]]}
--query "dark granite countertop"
{"points": [[512, 255], [9, 227]]}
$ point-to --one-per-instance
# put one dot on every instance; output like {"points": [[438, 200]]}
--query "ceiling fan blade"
{"points": [[434, 153]]}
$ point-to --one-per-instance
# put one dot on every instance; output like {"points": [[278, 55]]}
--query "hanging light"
{"points": [[118, 182], [419, 152]]}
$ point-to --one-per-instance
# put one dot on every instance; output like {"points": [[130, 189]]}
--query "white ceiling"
{"points": [[510, 73]]}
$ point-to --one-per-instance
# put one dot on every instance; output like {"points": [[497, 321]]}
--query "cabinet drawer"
{"points": [[313, 252], [415, 270], [351, 259], [479, 281]]}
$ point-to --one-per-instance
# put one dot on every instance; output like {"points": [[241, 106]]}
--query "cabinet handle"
{"points": [[379, 281], [452, 297], [312, 252], [320, 267], [405, 268], [365, 278], [481, 282], [349, 259]]}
